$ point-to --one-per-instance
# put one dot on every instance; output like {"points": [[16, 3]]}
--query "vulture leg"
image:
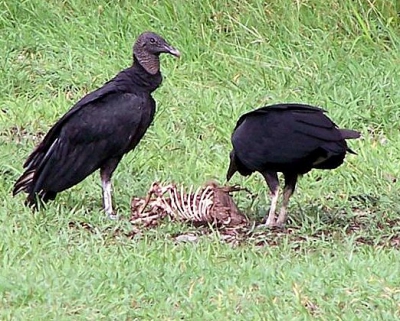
{"points": [[288, 190], [273, 183], [106, 172]]}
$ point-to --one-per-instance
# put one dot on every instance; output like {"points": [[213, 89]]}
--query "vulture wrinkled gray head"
{"points": [[148, 48]]}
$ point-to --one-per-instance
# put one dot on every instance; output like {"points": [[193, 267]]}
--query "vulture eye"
{"points": [[152, 40]]}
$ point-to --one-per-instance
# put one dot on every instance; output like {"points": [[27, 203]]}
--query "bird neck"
{"points": [[150, 63], [138, 75]]}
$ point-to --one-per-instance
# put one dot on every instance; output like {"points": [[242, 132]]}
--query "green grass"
{"points": [[339, 260]]}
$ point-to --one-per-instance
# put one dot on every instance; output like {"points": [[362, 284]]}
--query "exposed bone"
{"points": [[210, 204]]}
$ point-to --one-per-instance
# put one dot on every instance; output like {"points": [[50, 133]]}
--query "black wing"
{"points": [[279, 107], [108, 89], [107, 125], [285, 135]]}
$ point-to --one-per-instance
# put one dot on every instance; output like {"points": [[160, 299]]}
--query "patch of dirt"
{"points": [[257, 235], [219, 216]]}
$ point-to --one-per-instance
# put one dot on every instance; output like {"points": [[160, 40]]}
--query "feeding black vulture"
{"points": [[287, 138], [99, 129]]}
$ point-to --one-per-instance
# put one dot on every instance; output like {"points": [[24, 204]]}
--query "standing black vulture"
{"points": [[287, 138], [99, 129]]}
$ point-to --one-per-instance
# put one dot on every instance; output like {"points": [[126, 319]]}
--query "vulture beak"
{"points": [[232, 167], [172, 51]]}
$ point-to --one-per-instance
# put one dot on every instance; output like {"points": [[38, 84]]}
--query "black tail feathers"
{"points": [[349, 134]]}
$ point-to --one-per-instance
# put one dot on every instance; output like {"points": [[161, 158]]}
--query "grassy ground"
{"points": [[339, 259]]}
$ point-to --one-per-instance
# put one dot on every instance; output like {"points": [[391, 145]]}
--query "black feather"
{"points": [[287, 138]]}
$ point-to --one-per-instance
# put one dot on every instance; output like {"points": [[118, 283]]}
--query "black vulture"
{"points": [[290, 139], [98, 130]]}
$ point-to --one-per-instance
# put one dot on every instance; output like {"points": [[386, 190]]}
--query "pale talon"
{"points": [[113, 217]]}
